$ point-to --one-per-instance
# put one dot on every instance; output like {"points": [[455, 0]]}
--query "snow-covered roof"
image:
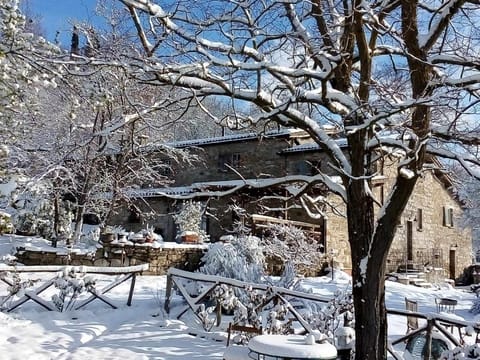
{"points": [[199, 187], [185, 190], [236, 137], [166, 191], [311, 146]]}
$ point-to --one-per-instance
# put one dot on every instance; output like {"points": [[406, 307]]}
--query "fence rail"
{"points": [[432, 320], [8, 301], [275, 294]]}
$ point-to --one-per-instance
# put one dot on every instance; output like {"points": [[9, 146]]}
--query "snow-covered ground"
{"points": [[143, 331]]}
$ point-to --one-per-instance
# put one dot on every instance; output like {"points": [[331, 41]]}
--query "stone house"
{"points": [[428, 234]]}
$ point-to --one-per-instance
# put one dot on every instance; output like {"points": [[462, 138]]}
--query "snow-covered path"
{"points": [[137, 332], [144, 331]]}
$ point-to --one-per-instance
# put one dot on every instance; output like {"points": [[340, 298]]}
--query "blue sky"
{"points": [[58, 15]]}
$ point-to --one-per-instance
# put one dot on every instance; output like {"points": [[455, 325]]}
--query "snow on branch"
{"points": [[469, 162], [443, 15], [158, 12], [230, 187]]}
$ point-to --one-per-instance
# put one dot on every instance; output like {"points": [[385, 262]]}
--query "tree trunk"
{"points": [[78, 224], [56, 220], [370, 241], [368, 278], [369, 302]]}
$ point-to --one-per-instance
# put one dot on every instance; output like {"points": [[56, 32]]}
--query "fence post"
{"points": [[218, 311], [132, 287], [168, 293], [428, 344]]}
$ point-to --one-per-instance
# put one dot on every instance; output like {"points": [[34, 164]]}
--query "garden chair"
{"points": [[238, 352], [446, 305], [412, 321]]}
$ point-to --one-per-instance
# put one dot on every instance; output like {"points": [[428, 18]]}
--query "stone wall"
{"points": [[451, 244], [434, 243], [160, 258], [254, 160]]}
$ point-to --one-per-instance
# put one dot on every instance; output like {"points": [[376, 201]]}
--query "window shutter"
{"points": [[445, 216], [324, 233], [419, 219]]}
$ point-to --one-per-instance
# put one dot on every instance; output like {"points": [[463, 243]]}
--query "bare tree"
{"points": [[393, 74], [74, 133], [33, 21]]}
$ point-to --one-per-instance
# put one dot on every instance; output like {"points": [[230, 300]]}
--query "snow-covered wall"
{"points": [[160, 259]]}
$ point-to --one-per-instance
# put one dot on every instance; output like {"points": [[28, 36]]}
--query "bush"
{"points": [[240, 259], [6, 225]]}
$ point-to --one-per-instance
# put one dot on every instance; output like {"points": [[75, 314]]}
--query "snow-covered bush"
{"points": [[71, 284], [240, 215], [203, 312], [189, 219], [337, 312], [291, 244], [278, 321], [248, 311], [256, 306], [225, 296], [17, 288], [288, 279], [6, 225], [462, 353], [34, 212], [240, 259], [34, 215]]}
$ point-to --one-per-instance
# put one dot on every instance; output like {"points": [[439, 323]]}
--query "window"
{"points": [[309, 168], [302, 168], [409, 240], [447, 216], [225, 161], [235, 160], [419, 219]]}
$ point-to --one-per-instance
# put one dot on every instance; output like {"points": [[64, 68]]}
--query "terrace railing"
{"points": [[433, 321]]}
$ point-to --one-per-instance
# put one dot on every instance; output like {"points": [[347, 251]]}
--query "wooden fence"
{"points": [[433, 321], [8, 301], [442, 323], [176, 277]]}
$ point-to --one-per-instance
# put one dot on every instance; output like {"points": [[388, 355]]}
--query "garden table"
{"points": [[289, 347]]}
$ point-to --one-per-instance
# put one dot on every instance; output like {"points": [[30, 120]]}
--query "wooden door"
{"points": [[409, 241], [452, 262]]}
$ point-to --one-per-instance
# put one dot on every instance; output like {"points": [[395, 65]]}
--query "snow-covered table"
{"points": [[290, 347]]}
